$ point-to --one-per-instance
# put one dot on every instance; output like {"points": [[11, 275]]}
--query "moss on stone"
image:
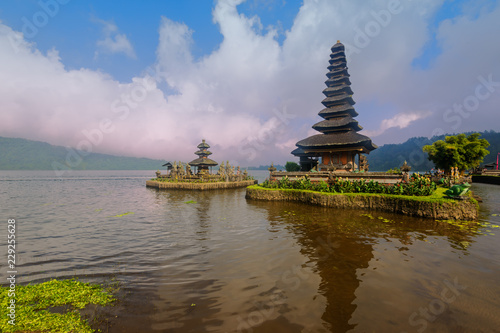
{"points": [[433, 206]]}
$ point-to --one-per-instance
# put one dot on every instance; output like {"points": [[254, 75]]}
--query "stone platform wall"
{"points": [[199, 186], [448, 210]]}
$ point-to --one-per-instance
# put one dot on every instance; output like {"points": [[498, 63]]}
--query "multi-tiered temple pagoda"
{"points": [[339, 144], [203, 163], [180, 175]]}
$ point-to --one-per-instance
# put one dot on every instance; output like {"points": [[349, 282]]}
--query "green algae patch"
{"points": [[35, 305], [190, 202], [120, 215]]}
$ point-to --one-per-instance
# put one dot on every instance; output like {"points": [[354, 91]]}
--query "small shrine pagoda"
{"points": [[339, 144], [181, 177], [203, 163]]}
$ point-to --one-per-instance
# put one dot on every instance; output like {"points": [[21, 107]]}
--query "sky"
{"points": [[154, 78]]}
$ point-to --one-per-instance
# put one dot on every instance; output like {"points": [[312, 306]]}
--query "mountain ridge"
{"points": [[24, 154], [391, 156]]}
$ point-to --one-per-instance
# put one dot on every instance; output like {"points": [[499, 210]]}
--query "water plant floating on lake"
{"points": [[34, 301], [120, 215]]}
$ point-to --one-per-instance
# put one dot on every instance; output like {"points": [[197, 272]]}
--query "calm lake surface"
{"points": [[214, 262]]}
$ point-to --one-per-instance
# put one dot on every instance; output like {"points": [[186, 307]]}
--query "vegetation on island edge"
{"points": [[458, 151], [417, 185], [35, 303]]}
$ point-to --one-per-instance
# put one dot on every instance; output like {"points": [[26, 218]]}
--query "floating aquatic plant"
{"points": [[120, 215], [33, 303]]}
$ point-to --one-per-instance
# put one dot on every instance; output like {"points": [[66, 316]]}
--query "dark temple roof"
{"points": [[339, 128], [203, 161], [203, 144], [337, 124], [325, 141]]}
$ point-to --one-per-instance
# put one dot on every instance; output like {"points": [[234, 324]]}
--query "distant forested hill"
{"points": [[22, 154], [390, 156]]}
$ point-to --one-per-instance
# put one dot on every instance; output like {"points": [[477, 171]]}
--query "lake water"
{"points": [[215, 262]]}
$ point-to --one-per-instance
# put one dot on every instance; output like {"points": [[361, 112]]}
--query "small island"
{"points": [[181, 176], [333, 169]]}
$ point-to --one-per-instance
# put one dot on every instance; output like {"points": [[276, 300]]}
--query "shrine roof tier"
{"points": [[339, 110], [337, 72], [339, 124], [344, 79], [339, 56], [203, 161], [348, 139], [341, 63], [203, 144], [338, 100], [338, 47], [203, 152], [338, 89], [299, 152]]}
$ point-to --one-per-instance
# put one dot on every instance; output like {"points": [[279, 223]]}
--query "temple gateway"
{"points": [[340, 146]]}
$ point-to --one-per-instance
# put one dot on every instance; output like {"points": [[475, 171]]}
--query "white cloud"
{"points": [[230, 96], [113, 41], [400, 120]]}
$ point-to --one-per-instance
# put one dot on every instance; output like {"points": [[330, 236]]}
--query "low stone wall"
{"points": [[381, 177], [448, 209], [199, 186], [486, 179]]}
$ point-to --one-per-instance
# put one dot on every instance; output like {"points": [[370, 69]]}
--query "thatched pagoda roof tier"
{"points": [[339, 63], [203, 144], [333, 141], [338, 80], [339, 56], [330, 91], [338, 47], [337, 124], [338, 100], [203, 161], [203, 153], [337, 72], [299, 152], [335, 111]]}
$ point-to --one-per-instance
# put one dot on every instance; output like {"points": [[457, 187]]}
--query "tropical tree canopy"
{"points": [[292, 166], [461, 151]]}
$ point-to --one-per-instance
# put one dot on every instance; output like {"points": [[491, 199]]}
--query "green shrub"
{"points": [[292, 166], [417, 186]]}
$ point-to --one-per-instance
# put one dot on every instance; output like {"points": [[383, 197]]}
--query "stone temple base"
{"points": [[198, 186]]}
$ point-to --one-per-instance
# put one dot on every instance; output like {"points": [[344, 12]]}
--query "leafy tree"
{"points": [[461, 151], [292, 166]]}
